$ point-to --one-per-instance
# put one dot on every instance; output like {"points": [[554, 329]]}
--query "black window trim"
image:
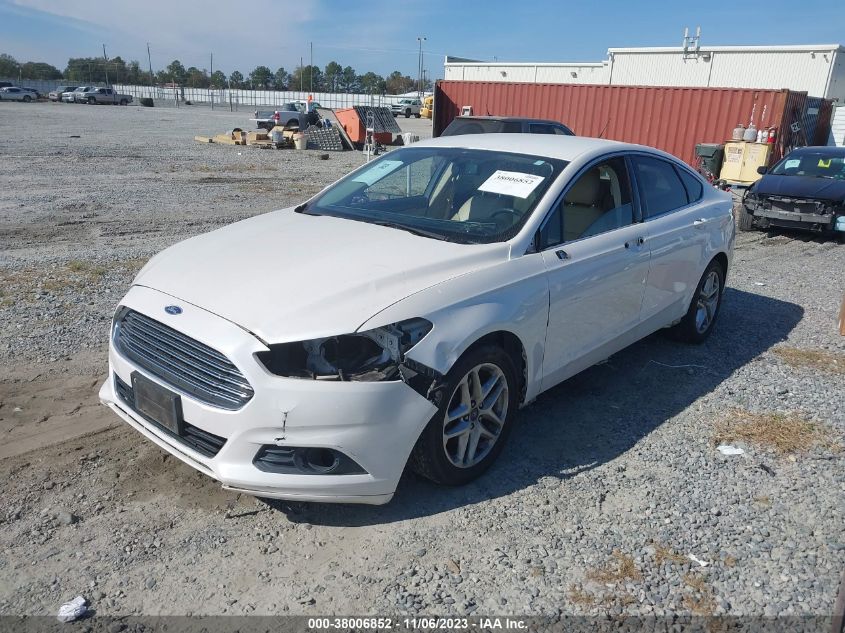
{"points": [[674, 164], [635, 203]]}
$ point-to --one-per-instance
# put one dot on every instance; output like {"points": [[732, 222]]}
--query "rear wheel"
{"points": [[27, 98], [408, 113], [124, 102], [475, 408], [701, 316], [418, 115]]}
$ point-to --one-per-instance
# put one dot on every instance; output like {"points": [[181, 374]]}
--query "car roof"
{"points": [[506, 119], [552, 146], [815, 149]]}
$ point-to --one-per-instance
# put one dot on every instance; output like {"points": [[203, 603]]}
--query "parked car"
{"points": [[455, 282], [13, 93], [77, 95], [287, 115], [406, 107], [104, 96], [504, 124], [56, 95], [309, 109], [805, 190]]}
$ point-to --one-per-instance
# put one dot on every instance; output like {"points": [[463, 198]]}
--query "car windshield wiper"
{"points": [[303, 208], [412, 229]]}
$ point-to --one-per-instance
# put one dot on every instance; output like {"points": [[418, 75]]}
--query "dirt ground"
{"points": [[615, 466]]}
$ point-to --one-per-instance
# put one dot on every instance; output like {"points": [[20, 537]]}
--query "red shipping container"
{"points": [[671, 119]]}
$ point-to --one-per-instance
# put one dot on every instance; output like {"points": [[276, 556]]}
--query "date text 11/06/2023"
{"points": [[420, 623]]}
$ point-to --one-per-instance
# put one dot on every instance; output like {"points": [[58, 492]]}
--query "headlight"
{"points": [[366, 356]]}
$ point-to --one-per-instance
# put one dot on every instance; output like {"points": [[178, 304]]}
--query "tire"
{"points": [[408, 113], [696, 325], [92, 101], [27, 98], [434, 456], [418, 115], [745, 220], [124, 102]]}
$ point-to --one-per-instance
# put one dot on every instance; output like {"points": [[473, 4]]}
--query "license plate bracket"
{"points": [[157, 403]]}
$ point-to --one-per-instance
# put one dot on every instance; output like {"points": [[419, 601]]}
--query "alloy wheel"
{"points": [[475, 415], [708, 301]]}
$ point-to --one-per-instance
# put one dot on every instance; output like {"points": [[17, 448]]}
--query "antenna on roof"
{"points": [[692, 43]]}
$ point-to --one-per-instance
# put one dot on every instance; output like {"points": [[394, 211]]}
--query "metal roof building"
{"points": [[818, 70]]}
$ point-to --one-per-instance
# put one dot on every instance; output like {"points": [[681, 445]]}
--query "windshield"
{"points": [[815, 164], [459, 195]]}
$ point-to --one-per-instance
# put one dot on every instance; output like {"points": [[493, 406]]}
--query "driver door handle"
{"points": [[562, 254]]}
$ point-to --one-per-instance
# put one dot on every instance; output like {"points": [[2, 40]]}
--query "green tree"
{"points": [[218, 79], [373, 83], [348, 81], [332, 76], [236, 79], [397, 83], [8, 66], [304, 75], [261, 77], [176, 72], [196, 78], [281, 79], [38, 70]]}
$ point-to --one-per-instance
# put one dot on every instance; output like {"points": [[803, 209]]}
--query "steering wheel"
{"points": [[516, 215]]}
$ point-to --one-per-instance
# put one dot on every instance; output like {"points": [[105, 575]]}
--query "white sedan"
{"points": [[13, 93], [403, 314]]}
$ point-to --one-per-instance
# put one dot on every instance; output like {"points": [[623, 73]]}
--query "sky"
{"points": [[381, 35]]}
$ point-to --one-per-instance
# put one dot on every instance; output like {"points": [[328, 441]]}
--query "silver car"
{"points": [[56, 95], [13, 93], [78, 95]]}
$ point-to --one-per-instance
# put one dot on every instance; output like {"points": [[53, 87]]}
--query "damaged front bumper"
{"points": [[815, 215], [370, 426]]}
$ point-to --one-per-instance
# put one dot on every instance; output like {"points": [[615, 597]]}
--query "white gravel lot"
{"points": [[609, 482]]}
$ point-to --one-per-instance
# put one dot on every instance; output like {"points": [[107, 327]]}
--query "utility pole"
{"points": [[106, 65], [150, 62], [311, 68], [210, 75], [420, 39], [301, 76]]}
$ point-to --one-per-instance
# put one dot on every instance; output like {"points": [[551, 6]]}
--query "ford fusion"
{"points": [[403, 315]]}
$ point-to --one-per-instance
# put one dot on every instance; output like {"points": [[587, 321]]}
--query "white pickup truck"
{"points": [[103, 95], [406, 107]]}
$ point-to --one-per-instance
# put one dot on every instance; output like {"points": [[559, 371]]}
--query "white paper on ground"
{"points": [[72, 610], [727, 449], [511, 183], [696, 559]]}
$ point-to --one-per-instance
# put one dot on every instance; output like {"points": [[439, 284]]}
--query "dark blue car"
{"points": [[805, 190]]}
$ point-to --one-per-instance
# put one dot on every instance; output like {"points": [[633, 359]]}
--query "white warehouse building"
{"points": [[818, 70]]}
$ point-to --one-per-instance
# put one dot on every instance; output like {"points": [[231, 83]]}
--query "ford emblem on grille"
{"points": [[173, 309]]}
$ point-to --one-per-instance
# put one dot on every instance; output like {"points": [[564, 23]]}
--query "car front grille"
{"points": [[202, 442], [183, 363]]}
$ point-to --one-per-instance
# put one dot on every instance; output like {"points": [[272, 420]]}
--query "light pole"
{"points": [[420, 39]]}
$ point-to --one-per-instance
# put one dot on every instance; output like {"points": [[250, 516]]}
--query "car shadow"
{"points": [[593, 417]]}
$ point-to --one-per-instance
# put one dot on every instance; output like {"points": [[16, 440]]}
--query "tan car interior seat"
{"points": [[582, 205]]}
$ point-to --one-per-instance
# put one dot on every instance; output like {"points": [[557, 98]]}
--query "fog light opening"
{"points": [[323, 460]]}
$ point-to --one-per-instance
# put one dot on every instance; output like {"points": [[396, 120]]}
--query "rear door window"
{"points": [[661, 189], [692, 184], [541, 128]]}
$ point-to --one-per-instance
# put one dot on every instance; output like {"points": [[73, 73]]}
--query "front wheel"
{"points": [[408, 113], [124, 102], [92, 101], [27, 98], [418, 115], [700, 318], [746, 220], [475, 408]]}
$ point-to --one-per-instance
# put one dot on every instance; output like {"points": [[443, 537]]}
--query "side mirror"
{"points": [[762, 169]]}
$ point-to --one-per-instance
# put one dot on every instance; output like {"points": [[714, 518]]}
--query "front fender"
{"points": [[509, 297]]}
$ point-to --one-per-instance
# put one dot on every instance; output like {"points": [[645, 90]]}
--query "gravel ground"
{"points": [[608, 485]]}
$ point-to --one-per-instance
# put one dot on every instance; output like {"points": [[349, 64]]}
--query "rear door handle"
{"points": [[639, 241], [700, 222]]}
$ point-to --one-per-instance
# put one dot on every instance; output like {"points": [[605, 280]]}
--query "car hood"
{"points": [[286, 276], [801, 187]]}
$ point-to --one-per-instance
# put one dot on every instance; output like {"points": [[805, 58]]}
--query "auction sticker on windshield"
{"points": [[378, 171], [511, 183]]}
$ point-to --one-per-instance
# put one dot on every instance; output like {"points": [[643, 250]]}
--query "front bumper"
{"points": [[376, 424]]}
